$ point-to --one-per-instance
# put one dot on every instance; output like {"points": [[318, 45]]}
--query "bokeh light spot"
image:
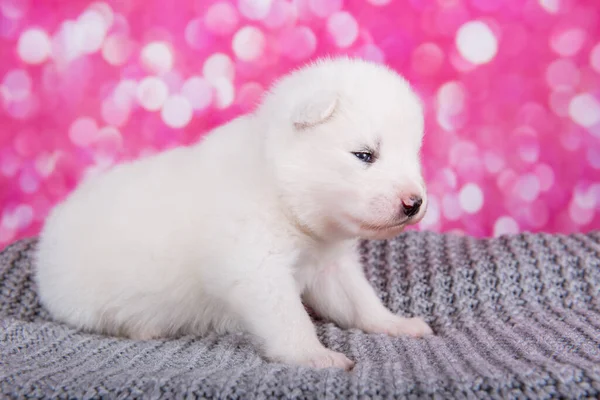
{"points": [[224, 92], [450, 102], [476, 42], [551, 6], [593, 158], [117, 49], [372, 53], [527, 188], [157, 57], [177, 112], [451, 207], [248, 43], [595, 58], [107, 145], [14, 9], [34, 46], [17, 84], [545, 176], [125, 93], [451, 97], [567, 42], [343, 28], [151, 93], [113, 113], [493, 162], [254, 9], [580, 215], [198, 92], [584, 109], [218, 66], [282, 13], [45, 163], [10, 164], [221, 18], [29, 181], [584, 197], [471, 198], [324, 8], [427, 59], [19, 219], [448, 176], [379, 3], [505, 225], [83, 131], [527, 144], [93, 27], [105, 12], [68, 43]]}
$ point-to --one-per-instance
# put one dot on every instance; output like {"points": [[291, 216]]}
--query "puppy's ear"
{"points": [[315, 111]]}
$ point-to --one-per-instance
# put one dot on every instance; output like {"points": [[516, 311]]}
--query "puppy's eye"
{"points": [[365, 156]]}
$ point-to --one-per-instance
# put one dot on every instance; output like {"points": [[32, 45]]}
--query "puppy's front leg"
{"points": [[342, 293], [269, 304]]}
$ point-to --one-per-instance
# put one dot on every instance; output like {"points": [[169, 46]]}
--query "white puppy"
{"points": [[232, 233]]}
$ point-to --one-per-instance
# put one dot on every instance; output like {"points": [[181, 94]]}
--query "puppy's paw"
{"points": [[414, 327], [318, 358], [326, 358]]}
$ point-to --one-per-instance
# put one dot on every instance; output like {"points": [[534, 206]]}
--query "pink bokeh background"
{"points": [[511, 87]]}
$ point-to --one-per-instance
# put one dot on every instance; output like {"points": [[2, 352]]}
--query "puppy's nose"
{"points": [[411, 205]]}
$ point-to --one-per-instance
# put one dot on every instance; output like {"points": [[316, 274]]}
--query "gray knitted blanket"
{"points": [[515, 317]]}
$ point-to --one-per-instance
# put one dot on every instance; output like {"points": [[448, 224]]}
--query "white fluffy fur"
{"points": [[232, 233]]}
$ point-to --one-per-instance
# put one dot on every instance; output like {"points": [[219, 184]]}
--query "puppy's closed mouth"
{"points": [[381, 228]]}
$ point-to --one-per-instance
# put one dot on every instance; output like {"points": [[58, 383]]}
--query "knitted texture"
{"points": [[515, 317]]}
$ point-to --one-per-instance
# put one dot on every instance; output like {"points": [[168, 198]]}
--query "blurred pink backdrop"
{"points": [[512, 89]]}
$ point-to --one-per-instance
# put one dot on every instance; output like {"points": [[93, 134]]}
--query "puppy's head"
{"points": [[343, 139]]}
